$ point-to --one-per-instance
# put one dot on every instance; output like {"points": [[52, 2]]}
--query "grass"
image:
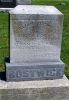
{"points": [[3, 39], [65, 38]]}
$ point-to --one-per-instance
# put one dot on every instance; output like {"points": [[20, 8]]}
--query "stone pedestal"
{"points": [[57, 89], [35, 43], [34, 71]]}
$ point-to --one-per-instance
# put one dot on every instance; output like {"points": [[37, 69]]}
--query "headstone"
{"points": [[13, 3], [35, 43]]}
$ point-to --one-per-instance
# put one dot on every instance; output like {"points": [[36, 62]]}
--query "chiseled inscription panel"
{"points": [[35, 73], [28, 30], [34, 40]]}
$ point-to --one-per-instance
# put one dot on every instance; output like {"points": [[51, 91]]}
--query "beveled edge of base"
{"points": [[64, 82]]}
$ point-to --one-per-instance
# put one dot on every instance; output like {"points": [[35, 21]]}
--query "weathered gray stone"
{"points": [[35, 43], [23, 2], [34, 71], [35, 90], [35, 34]]}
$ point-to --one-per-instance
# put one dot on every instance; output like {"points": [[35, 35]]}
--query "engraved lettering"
{"points": [[40, 74], [32, 74], [59, 72], [12, 75], [36, 73], [18, 74], [25, 73], [53, 72]]}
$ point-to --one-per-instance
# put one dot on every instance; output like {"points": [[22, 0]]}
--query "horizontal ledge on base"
{"points": [[64, 82], [5, 9], [35, 90]]}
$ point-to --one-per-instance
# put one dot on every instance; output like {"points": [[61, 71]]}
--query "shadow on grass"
{"points": [[3, 76]]}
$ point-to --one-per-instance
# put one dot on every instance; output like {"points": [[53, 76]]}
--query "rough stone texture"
{"points": [[35, 90], [35, 43], [34, 71], [35, 34], [23, 2]]}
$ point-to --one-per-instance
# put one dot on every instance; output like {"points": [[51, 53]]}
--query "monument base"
{"points": [[35, 90], [34, 71]]}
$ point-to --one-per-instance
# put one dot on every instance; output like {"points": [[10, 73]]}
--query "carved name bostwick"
{"points": [[27, 74]]}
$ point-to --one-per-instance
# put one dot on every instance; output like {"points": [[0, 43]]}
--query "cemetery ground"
{"points": [[63, 6]]}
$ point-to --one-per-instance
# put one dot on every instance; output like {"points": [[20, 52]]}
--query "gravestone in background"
{"points": [[7, 3], [22, 2], [13, 3], [35, 43]]}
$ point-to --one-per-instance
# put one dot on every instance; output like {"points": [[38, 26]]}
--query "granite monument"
{"points": [[35, 43], [35, 46]]}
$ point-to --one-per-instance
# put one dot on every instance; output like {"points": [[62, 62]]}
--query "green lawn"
{"points": [[3, 38], [65, 39]]}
